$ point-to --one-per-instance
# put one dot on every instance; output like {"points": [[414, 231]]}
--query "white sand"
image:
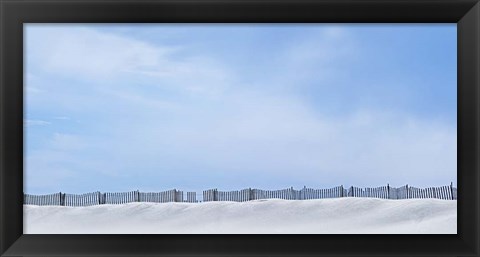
{"points": [[325, 216]]}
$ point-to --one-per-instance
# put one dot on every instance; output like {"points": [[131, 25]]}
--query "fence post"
{"points": [[215, 195], [451, 190], [341, 191], [407, 191], [62, 198], [351, 190], [388, 191], [250, 194], [137, 196]]}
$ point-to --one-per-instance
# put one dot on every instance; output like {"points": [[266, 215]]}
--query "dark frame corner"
{"points": [[13, 13]]}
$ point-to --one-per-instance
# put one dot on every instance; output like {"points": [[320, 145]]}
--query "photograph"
{"points": [[240, 128]]}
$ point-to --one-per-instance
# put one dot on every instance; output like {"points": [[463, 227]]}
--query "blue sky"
{"points": [[198, 106]]}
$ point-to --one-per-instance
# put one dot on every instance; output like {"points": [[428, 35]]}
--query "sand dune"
{"points": [[273, 216]]}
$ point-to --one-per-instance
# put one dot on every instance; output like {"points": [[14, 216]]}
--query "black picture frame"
{"points": [[13, 13]]}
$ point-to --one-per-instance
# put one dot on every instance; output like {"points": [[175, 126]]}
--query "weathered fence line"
{"points": [[87, 199], [96, 198], [287, 194], [248, 194], [50, 199], [384, 192]]}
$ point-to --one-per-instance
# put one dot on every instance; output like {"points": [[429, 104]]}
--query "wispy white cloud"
{"points": [[61, 118], [281, 138], [36, 123], [85, 52], [107, 59]]}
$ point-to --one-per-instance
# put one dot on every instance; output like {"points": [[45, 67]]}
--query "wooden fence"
{"points": [[287, 194], [384, 192], [87, 199], [97, 198], [165, 197], [51, 199]]}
